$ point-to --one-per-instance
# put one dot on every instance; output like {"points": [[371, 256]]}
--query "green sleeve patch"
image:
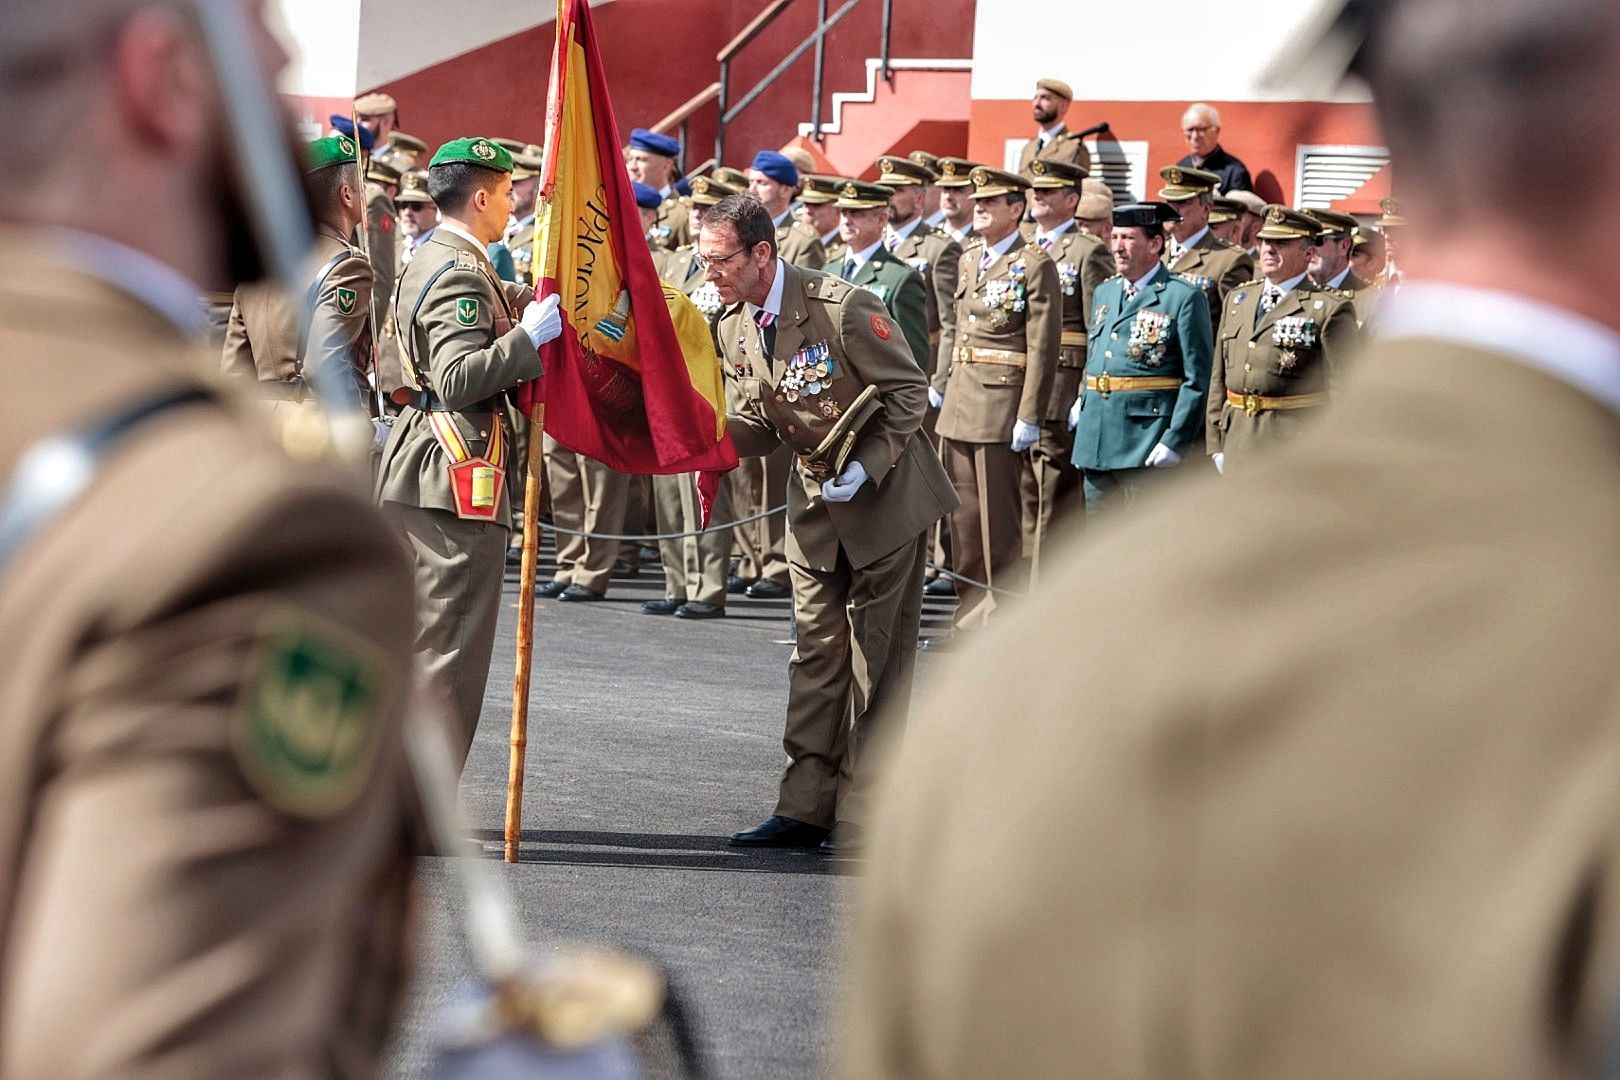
{"points": [[311, 717], [467, 311], [345, 300]]}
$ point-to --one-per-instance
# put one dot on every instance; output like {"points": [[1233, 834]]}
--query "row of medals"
{"points": [[808, 374]]}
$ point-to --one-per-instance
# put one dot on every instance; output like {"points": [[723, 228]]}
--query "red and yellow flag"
{"points": [[633, 381]]}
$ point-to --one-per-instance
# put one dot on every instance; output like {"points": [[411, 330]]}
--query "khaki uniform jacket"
{"points": [[382, 226], [1364, 824], [833, 251], [902, 291], [464, 339], [933, 254], [1066, 146], [1360, 294], [390, 373], [1083, 263], [908, 490], [216, 912], [798, 244], [982, 400], [1215, 266], [261, 339], [673, 229], [1252, 358]]}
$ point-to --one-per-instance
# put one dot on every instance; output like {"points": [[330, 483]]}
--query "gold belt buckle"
{"points": [[1103, 385], [1251, 403]]}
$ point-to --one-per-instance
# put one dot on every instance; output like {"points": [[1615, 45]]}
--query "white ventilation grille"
{"points": [[1329, 174]]}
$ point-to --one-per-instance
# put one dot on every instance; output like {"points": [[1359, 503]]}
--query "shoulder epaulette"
{"points": [[466, 260], [1112, 277], [1251, 284], [826, 287]]}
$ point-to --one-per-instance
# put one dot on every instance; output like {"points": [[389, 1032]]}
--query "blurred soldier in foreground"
{"points": [[204, 827], [1331, 791]]}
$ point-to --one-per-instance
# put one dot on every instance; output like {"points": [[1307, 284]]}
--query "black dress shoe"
{"points": [[940, 586], [766, 589], [623, 571], [736, 585], [844, 842], [578, 594], [697, 609], [661, 607], [777, 831], [551, 589]]}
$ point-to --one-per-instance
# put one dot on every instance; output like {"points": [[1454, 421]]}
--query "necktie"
{"points": [[891, 241], [1130, 291], [1269, 298], [767, 331], [984, 263], [849, 268], [1046, 243]]}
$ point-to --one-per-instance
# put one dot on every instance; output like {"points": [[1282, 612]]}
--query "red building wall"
{"points": [[659, 53]]}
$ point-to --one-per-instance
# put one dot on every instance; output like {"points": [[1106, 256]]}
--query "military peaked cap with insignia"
{"points": [[1224, 210], [332, 150], [382, 172], [477, 150], [375, 105], [528, 162], [1183, 182], [408, 142], [820, 190], [1144, 215], [1055, 174], [1391, 213], [707, 191], [732, 178], [860, 195], [1333, 223], [956, 172], [902, 172], [988, 183], [1284, 223], [413, 189], [926, 160]]}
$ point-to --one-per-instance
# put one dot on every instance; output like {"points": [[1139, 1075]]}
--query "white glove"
{"points": [[541, 320], [842, 487], [935, 398], [1162, 457], [1074, 413], [1219, 459], [1024, 436]]}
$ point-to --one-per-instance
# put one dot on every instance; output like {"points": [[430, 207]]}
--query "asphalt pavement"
{"points": [[651, 739]]}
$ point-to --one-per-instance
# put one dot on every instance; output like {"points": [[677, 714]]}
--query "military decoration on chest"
{"points": [[1150, 337], [808, 374], [1005, 295], [1068, 277], [1291, 334], [707, 299]]}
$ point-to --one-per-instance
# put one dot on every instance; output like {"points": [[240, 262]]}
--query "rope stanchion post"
{"points": [[517, 750]]}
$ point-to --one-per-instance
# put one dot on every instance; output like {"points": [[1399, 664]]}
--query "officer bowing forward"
{"points": [[1147, 365]]}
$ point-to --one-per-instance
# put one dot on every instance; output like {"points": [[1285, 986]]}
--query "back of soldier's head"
{"points": [[1482, 100]]}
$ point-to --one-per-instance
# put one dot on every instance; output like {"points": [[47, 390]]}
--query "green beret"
{"points": [[332, 150], [486, 153]]}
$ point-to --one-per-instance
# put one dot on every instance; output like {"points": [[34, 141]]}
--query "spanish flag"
{"points": [[633, 381]]}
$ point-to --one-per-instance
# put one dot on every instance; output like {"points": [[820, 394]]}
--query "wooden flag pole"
{"points": [[519, 743]]}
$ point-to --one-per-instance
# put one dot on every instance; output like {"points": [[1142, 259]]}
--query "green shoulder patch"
{"points": [[345, 300], [467, 311], [311, 715]]}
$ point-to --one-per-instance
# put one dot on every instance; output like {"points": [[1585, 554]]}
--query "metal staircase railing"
{"points": [[721, 92]]}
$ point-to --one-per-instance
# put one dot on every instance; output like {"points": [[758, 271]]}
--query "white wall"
{"points": [[1161, 50]]}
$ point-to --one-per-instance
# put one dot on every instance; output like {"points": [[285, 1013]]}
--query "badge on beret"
{"points": [[483, 150], [467, 311], [306, 735], [880, 327], [345, 145], [345, 301]]}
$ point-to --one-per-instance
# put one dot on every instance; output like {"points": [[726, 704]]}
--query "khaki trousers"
{"points": [[849, 682], [586, 496], [991, 508], [1049, 490], [694, 567], [460, 566], [760, 484]]}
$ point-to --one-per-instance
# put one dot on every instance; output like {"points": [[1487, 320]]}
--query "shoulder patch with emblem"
{"points": [[880, 327], [386, 224], [467, 310], [311, 715], [345, 300]]}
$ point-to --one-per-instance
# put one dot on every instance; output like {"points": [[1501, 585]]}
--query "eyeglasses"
{"points": [[703, 263], [1200, 130]]}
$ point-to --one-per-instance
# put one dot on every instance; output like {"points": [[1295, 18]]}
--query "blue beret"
{"points": [[647, 198], [654, 143], [683, 186], [343, 125], [776, 166]]}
